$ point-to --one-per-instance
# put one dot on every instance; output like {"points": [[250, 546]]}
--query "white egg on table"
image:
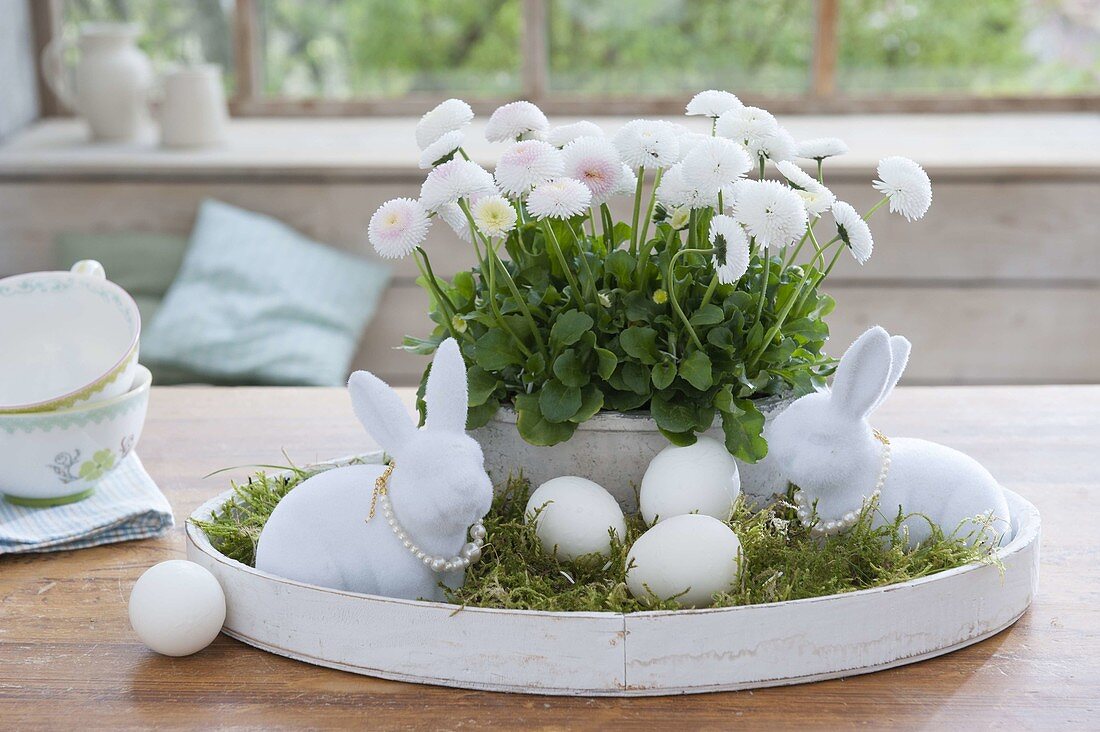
{"points": [[177, 608], [575, 517], [700, 478], [689, 557]]}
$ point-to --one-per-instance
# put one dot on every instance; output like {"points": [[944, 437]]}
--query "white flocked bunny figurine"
{"points": [[824, 444], [427, 528]]}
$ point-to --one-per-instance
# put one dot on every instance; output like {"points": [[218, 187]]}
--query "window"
{"points": [[627, 56]]}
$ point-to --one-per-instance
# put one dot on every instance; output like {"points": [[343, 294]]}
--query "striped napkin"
{"points": [[126, 505]]}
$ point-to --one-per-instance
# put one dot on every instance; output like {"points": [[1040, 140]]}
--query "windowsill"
{"points": [[967, 146]]}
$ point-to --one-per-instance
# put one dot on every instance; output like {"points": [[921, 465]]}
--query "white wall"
{"points": [[18, 89]]}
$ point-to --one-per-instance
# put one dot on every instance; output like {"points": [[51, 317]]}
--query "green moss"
{"points": [[780, 560]]}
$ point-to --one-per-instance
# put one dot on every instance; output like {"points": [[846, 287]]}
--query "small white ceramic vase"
{"points": [[110, 84], [193, 111]]}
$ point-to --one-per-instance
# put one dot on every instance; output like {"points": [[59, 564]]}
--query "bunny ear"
{"points": [[380, 410], [446, 394], [861, 376], [899, 359]]}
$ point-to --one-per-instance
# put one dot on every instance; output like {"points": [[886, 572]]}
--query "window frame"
{"points": [[821, 96]]}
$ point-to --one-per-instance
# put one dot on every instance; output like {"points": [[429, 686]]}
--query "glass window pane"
{"points": [[663, 47], [390, 48], [172, 32], [988, 48]]}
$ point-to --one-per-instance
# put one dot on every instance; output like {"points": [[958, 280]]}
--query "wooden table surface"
{"points": [[68, 656]]}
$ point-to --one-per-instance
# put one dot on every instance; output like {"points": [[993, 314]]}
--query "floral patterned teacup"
{"points": [[51, 458]]}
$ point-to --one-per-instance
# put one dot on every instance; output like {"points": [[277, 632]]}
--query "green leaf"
{"points": [[620, 233], [663, 374], [672, 414], [680, 439], [696, 370], [743, 425], [721, 338], [607, 363], [591, 402], [641, 343], [536, 364], [621, 264], [569, 368], [496, 351], [635, 377], [559, 402], [481, 385], [568, 328], [709, 314], [534, 427], [480, 415]]}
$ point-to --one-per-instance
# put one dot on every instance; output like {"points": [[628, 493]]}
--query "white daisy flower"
{"points": [[628, 182], [513, 120], [820, 148], [690, 141], [775, 145], [526, 164], [494, 215], [673, 191], [743, 124], [853, 231], [559, 199], [595, 162], [713, 165], [731, 258], [770, 211], [453, 180], [907, 185], [444, 147], [398, 227], [818, 198], [453, 215], [562, 135], [453, 114], [712, 103], [649, 144]]}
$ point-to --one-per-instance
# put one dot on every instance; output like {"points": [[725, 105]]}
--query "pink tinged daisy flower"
{"points": [[559, 199], [526, 164], [514, 120], [712, 103], [770, 211], [398, 227], [713, 165], [453, 215], [853, 231], [562, 135], [451, 115], [731, 245], [442, 149], [744, 124], [494, 216], [818, 198], [645, 143], [595, 162], [455, 179], [820, 148], [907, 185]]}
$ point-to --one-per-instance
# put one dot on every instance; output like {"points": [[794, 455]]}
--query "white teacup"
{"points": [[68, 338]]}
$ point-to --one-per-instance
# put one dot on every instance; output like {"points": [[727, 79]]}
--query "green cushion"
{"points": [[142, 264]]}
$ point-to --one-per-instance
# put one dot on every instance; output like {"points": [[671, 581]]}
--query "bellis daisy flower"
{"points": [[514, 120], [731, 256], [743, 124], [559, 199], [907, 185], [674, 192], [494, 215], [562, 135], [775, 145], [628, 182], [453, 180], [398, 227], [770, 211], [853, 231], [818, 198], [649, 144], [820, 148], [712, 103], [442, 148], [453, 215], [526, 164], [713, 165], [595, 162], [453, 114]]}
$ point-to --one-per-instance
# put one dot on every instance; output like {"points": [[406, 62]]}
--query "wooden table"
{"points": [[68, 657]]}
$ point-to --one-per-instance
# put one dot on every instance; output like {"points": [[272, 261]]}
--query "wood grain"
{"points": [[65, 643]]}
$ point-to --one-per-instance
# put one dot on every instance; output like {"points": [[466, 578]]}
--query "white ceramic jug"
{"points": [[111, 82], [192, 111]]}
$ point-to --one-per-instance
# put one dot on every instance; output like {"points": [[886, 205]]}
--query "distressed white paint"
{"points": [[641, 654]]}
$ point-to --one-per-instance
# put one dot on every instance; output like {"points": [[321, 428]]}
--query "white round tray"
{"points": [[638, 654]]}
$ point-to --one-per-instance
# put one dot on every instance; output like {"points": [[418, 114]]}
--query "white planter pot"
{"points": [[612, 449]]}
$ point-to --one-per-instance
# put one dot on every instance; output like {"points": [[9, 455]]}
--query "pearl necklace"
{"points": [[470, 552], [848, 520]]}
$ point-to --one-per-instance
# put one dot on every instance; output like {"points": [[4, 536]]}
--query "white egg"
{"points": [[700, 478], [177, 608], [577, 516], [690, 554]]}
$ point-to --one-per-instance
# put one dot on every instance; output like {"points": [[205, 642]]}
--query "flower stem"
{"points": [[511, 283], [649, 209], [584, 261], [876, 207], [710, 291], [765, 275], [637, 210], [445, 303], [670, 286], [552, 242]]}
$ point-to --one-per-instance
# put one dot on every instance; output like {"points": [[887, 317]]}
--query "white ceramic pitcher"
{"points": [[192, 111], [110, 84]]}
